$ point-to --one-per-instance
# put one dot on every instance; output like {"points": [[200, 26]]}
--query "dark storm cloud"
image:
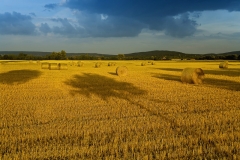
{"points": [[94, 25], [180, 27], [144, 8], [66, 27], [32, 14], [51, 6], [128, 17], [45, 28], [16, 23]]}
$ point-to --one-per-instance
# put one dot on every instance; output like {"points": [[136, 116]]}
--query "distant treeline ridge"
{"points": [[150, 55]]}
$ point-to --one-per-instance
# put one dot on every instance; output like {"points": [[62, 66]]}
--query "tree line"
{"points": [[62, 55]]}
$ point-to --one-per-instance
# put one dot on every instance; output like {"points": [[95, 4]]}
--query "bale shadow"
{"points": [[231, 72], [103, 87], [212, 82], [113, 73], [171, 69], [226, 72], [168, 77], [18, 76], [225, 84]]}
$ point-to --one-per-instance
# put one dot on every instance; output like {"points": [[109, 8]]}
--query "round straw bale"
{"points": [[192, 75], [98, 65], [223, 64], [53, 66], [80, 63], [45, 65], [153, 63], [110, 64], [143, 64], [72, 63], [121, 71], [63, 66]]}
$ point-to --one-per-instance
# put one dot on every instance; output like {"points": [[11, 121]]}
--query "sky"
{"points": [[120, 26]]}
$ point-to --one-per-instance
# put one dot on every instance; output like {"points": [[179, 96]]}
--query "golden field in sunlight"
{"points": [[88, 112]]}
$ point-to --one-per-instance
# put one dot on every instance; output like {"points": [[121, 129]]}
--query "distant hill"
{"points": [[34, 53], [159, 54], [38, 53], [230, 53], [155, 54]]}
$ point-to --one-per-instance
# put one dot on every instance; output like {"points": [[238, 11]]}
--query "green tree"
{"points": [[121, 56], [63, 55], [22, 56]]}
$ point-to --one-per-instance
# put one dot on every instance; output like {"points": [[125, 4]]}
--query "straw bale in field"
{"points": [[143, 64], [223, 64], [110, 64], [80, 63], [153, 63], [98, 65], [192, 75], [72, 63], [45, 65], [53, 66], [63, 66], [121, 71]]}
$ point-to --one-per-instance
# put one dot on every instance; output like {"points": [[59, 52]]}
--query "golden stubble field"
{"points": [[91, 113]]}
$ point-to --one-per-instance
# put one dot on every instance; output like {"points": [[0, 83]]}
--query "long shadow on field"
{"points": [[225, 84], [18, 76], [168, 77], [171, 69], [217, 83], [231, 72], [103, 87]]}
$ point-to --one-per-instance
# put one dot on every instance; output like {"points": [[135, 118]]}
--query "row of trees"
{"points": [[62, 55], [218, 57]]}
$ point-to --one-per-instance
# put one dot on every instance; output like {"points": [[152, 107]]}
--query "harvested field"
{"points": [[89, 113]]}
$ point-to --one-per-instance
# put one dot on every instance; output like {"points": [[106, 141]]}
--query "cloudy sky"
{"points": [[120, 26]]}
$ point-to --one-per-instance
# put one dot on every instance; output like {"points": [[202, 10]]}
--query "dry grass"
{"points": [[94, 114]]}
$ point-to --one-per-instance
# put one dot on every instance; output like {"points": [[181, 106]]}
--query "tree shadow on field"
{"points": [[103, 87], [18, 76]]}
